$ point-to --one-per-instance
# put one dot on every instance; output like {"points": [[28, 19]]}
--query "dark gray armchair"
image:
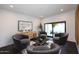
{"points": [[42, 38], [62, 38], [42, 34], [21, 41]]}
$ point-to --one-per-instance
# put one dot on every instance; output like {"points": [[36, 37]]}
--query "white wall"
{"points": [[9, 25], [69, 17]]}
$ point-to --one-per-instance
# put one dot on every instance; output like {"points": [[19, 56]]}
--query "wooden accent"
{"points": [[77, 25], [30, 34]]}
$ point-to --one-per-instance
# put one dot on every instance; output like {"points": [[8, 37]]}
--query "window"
{"points": [[48, 29], [59, 28], [55, 27]]}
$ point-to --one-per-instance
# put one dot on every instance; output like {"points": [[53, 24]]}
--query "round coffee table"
{"points": [[44, 49]]}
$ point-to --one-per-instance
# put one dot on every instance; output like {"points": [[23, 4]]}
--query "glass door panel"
{"points": [[59, 28], [48, 29]]}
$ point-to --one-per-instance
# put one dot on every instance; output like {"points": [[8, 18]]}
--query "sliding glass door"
{"points": [[59, 28], [48, 29], [55, 27]]}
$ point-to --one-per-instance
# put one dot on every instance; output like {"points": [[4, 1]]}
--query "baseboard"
{"points": [[5, 45]]}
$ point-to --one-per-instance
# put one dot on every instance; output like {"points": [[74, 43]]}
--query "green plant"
{"points": [[41, 27]]}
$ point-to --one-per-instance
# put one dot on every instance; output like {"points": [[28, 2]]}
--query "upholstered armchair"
{"points": [[42, 38], [21, 41], [60, 38]]}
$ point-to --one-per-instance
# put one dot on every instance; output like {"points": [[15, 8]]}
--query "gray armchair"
{"points": [[21, 41], [62, 38]]}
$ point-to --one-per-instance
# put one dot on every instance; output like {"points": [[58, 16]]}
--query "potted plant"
{"points": [[40, 27]]}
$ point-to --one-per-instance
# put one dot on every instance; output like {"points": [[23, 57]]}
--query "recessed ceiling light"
{"points": [[11, 6], [61, 10], [41, 17]]}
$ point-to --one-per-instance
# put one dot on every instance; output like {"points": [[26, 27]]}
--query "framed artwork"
{"points": [[25, 26]]}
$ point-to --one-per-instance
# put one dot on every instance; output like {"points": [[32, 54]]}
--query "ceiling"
{"points": [[39, 10]]}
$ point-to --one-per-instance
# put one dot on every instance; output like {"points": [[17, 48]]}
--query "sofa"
{"points": [[43, 49]]}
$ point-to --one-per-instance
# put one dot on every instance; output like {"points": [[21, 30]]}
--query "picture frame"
{"points": [[24, 26]]}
